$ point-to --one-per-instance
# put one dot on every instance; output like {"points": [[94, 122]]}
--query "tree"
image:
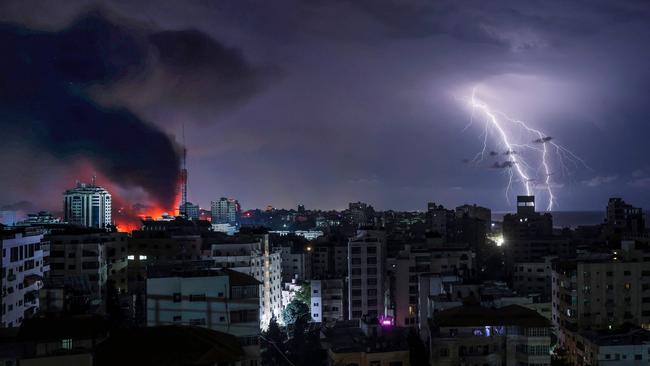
{"points": [[304, 294], [296, 309], [273, 344]]}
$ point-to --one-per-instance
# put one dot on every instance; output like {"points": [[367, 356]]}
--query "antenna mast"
{"points": [[183, 207]]}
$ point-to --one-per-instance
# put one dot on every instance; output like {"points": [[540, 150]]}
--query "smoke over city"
{"points": [[72, 97]]}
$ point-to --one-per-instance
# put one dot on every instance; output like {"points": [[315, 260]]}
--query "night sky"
{"points": [[319, 102]]}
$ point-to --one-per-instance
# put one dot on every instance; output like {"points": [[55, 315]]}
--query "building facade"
{"points": [[218, 299], [327, 300], [24, 265], [87, 205], [225, 211], [366, 262], [90, 254], [252, 255], [472, 335], [601, 291]]}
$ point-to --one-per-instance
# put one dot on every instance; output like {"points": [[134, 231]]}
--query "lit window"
{"points": [[66, 343], [143, 257], [130, 257]]}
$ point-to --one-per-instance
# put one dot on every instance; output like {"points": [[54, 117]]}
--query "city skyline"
{"points": [[288, 108]]}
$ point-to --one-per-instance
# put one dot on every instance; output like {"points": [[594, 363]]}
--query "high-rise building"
{"points": [[366, 262], [225, 211], [527, 223], [528, 236], [87, 205], [23, 265], [623, 220]]}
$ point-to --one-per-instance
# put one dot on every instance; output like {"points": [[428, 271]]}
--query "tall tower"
{"points": [[183, 205]]}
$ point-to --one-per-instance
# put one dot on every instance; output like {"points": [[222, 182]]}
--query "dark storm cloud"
{"points": [[48, 80], [370, 104]]}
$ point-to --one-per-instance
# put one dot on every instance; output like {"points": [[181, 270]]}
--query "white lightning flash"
{"points": [[519, 161]]}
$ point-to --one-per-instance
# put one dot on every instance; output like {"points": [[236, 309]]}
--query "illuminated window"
{"points": [[66, 343], [131, 257]]}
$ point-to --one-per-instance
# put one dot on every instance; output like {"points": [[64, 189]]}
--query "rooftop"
{"points": [[200, 269], [347, 336], [473, 315], [168, 346], [627, 335]]}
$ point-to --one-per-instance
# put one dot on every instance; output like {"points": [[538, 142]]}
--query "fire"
{"points": [[130, 218], [130, 207]]}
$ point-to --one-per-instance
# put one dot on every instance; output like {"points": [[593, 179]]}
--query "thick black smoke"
{"points": [[49, 83]]}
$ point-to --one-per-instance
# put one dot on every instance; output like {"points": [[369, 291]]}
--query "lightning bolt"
{"points": [[516, 164]]}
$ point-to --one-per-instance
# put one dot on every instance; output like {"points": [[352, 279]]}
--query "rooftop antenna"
{"points": [[93, 180]]}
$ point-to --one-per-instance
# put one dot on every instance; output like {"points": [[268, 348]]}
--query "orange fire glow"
{"points": [[128, 212], [130, 218]]}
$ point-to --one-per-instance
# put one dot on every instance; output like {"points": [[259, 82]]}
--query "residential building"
{"points": [[361, 214], [196, 295], [295, 262], [252, 254], [87, 205], [415, 260], [94, 254], [601, 290], [628, 345], [327, 300], [473, 335], [439, 219], [623, 221], [366, 262], [329, 258], [189, 210], [23, 267], [534, 278], [476, 212], [225, 211], [364, 342], [528, 236]]}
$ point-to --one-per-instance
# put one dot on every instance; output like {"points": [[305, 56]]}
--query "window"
{"points": [[355, 250], [177, 297], [243, 316], [199, 321], [66, 343], [197, 297]]}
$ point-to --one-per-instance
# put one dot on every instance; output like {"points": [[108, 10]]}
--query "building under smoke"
{"points": [[87, 205]]}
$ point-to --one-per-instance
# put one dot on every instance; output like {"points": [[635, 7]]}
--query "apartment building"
{"points": [[220, 299], [23, 267], [366, 261]]}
